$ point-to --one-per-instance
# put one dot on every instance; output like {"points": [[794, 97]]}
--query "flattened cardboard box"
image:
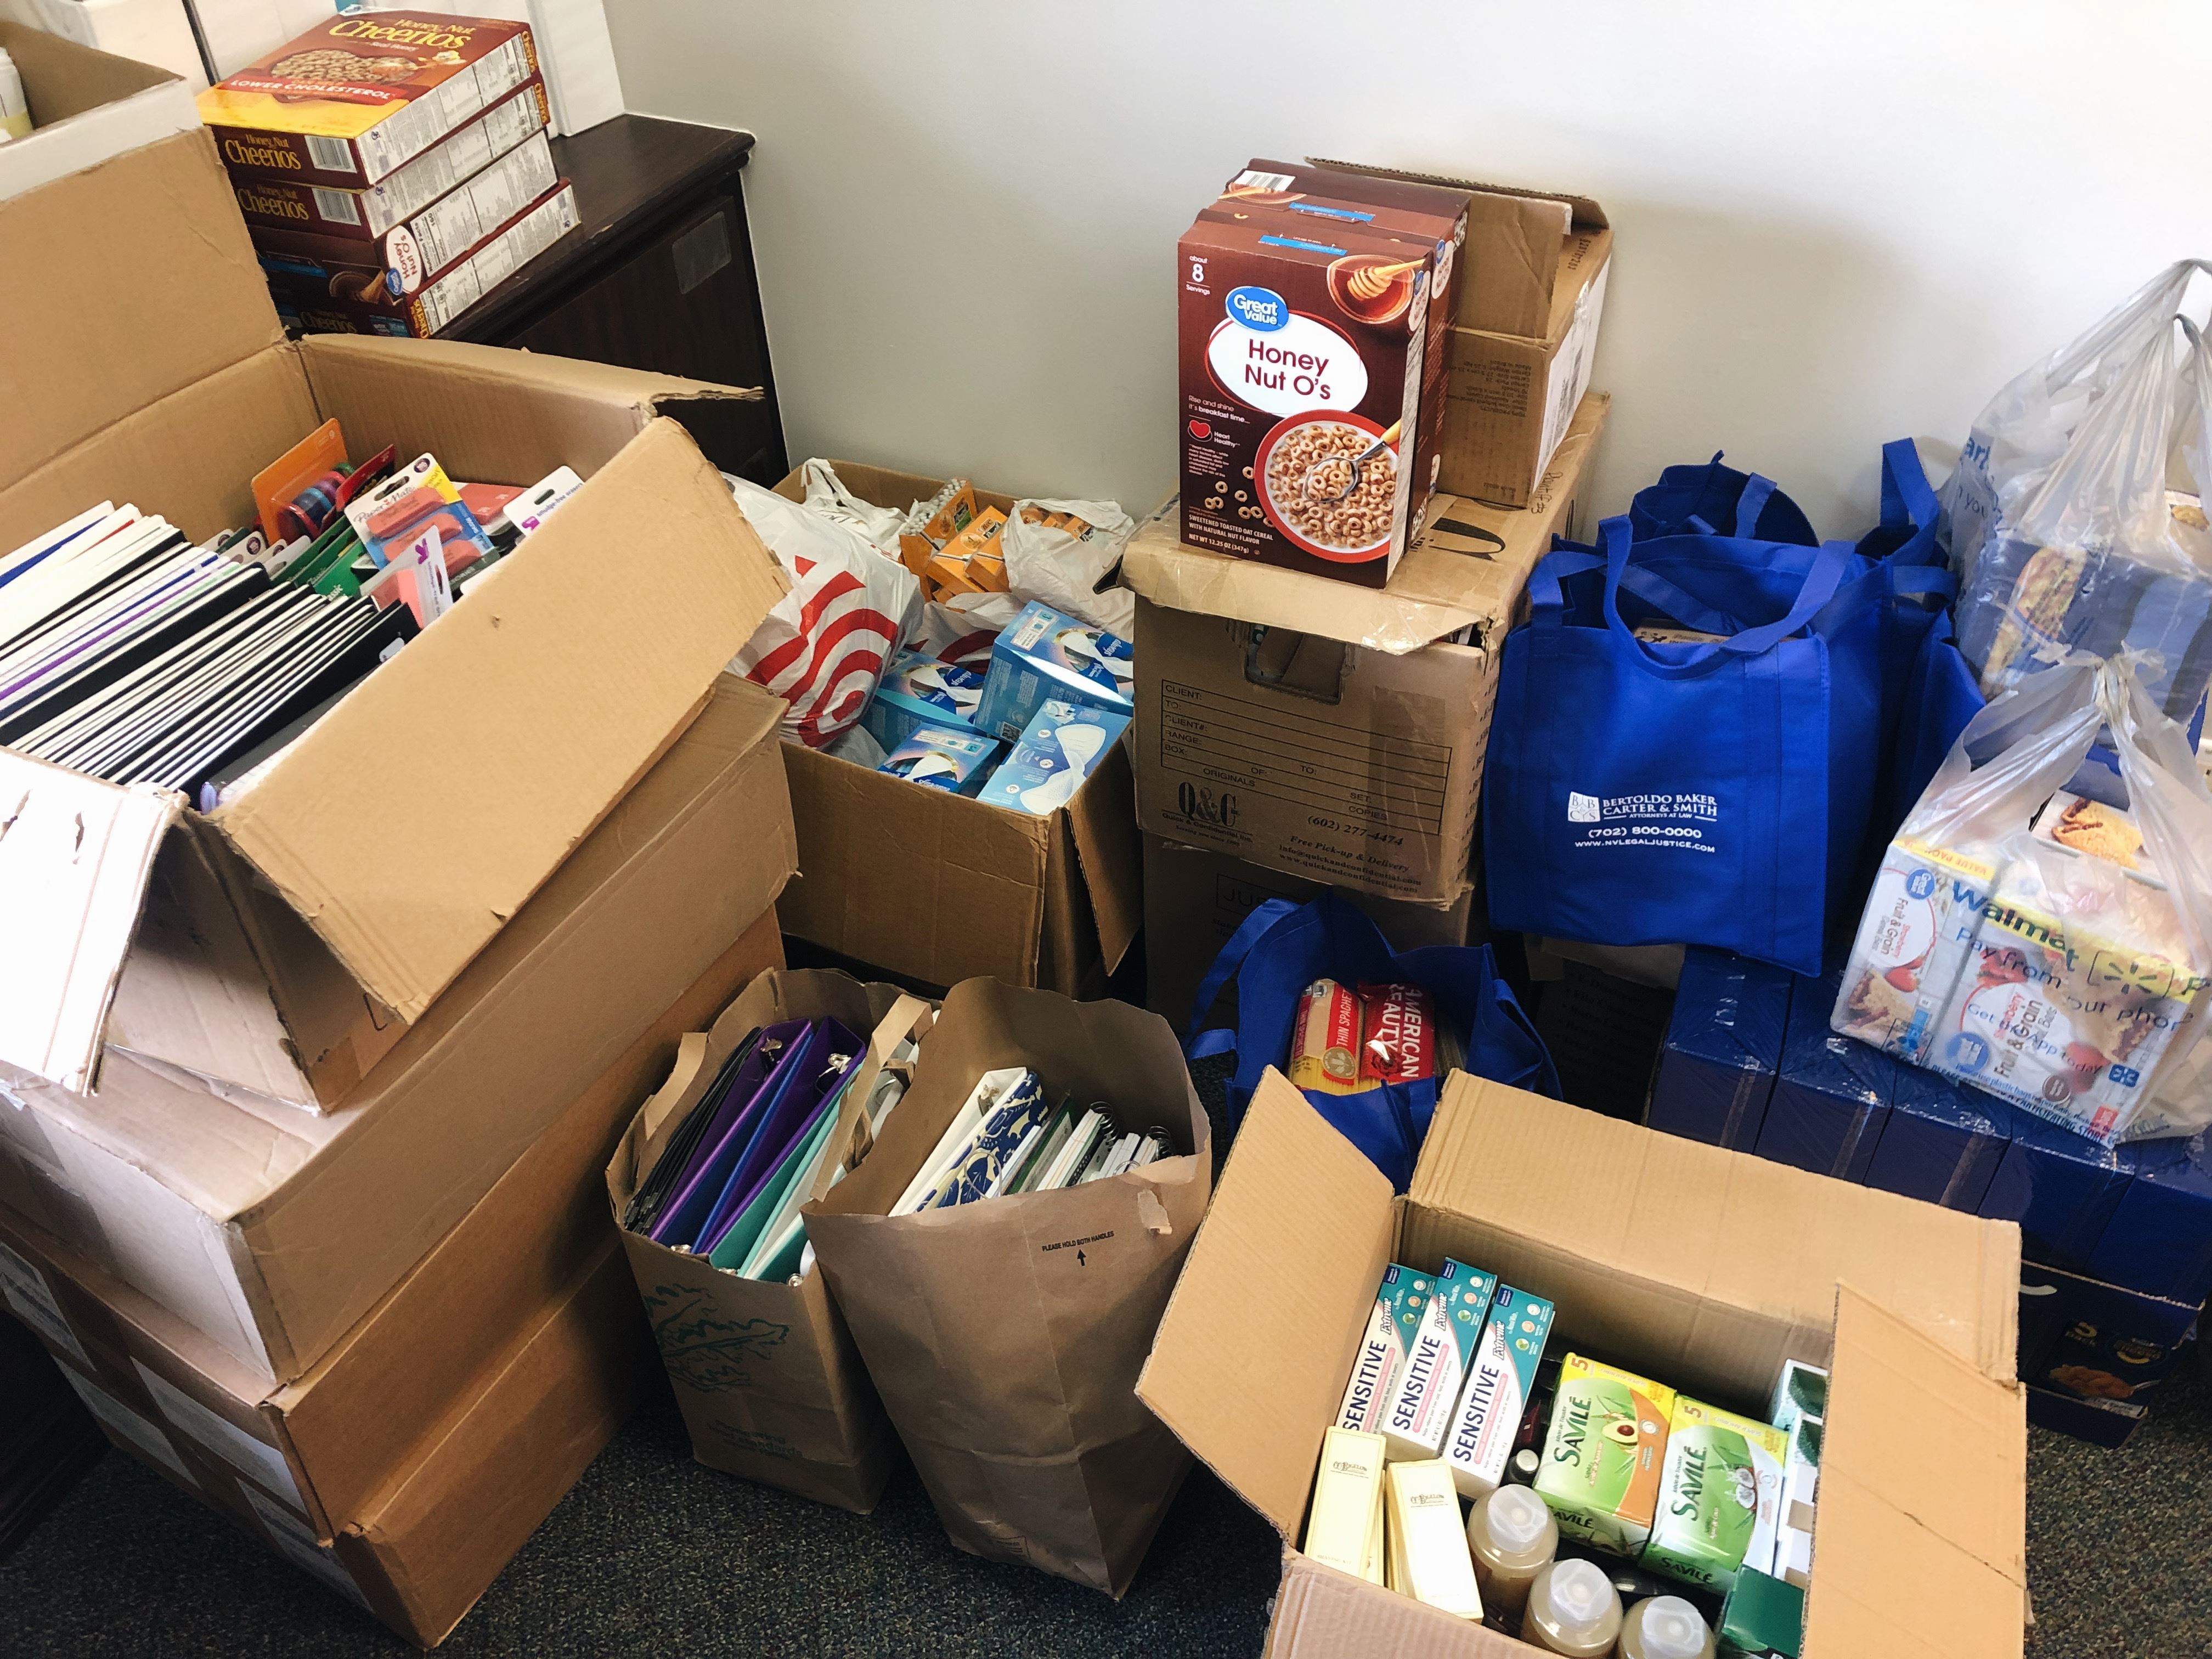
{"points": [[273, 1231], [1324, 731], [1194, 899], [487, 1469], [1004, 1336], [327, 1442], [572, 684], [939, 888], [1701, 1267], [766, 1374]]}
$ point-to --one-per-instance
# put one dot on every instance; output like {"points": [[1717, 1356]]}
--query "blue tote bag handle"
{"points": [[1196, 1043], [1829, 566], [1547, 599]]}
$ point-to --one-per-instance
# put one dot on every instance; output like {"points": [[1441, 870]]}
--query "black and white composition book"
{"points": [[130, 654]]}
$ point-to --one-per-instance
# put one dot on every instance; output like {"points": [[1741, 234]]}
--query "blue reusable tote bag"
{"points": [[1281, 948], [1643, 792]]}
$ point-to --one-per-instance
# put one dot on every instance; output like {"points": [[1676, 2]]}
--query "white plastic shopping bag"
{"points": [[2050, 949], [1060, 552], [823, 648]]}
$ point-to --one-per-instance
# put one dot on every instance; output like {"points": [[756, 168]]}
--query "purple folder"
{"points": [[793, 1102], [725, 1135]]}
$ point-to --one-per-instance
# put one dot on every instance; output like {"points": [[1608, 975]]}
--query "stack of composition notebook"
{"points": [[730, 1183]]}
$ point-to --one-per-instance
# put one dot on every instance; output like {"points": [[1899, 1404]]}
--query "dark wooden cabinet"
{"points": [[659, 276]]}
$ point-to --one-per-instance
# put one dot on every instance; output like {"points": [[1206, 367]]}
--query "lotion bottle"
{"points": [[1513, 1536], [1574, 1610], [1665, 1627]]}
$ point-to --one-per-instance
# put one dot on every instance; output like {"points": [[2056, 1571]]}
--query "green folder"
{"points": [[318, 553]]}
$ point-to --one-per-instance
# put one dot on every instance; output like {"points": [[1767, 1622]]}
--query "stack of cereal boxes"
{"points": [[394, 168]]}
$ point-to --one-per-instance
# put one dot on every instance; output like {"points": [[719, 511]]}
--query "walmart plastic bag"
{"points": [[823, 647], [2108, 553], [2050, 950], [2027, 427], [1061, 553]]}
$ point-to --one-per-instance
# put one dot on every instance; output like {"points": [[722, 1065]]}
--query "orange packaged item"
{"points": [[972, 562], [1325, 1040], [1400, 1032], [942, 518]]}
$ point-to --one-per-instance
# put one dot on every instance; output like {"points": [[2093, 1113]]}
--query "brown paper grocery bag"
{"points": [[765, 1372], [1005, 1336]]}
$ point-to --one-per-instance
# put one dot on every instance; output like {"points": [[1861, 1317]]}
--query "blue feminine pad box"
{"points": [[1831, 1098], [1724, 1048], [948, 758], [919, 691], [1942, 1141], [2062, 1187], [2159, 1239], [1043, 656], [1062, 746]]}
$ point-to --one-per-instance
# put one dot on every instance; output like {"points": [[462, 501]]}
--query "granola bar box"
{"points": [[352, 101], [1301, 357]]}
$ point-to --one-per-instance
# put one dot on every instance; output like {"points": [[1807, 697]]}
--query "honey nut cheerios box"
{"points": [[350, 102], [1301, 348]]}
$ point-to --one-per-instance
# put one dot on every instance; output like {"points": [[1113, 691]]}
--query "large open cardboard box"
{"points": [[331, 901], [1327, 730], [1699, 1267], [325, 1444], [939, 888], [274, 1230]]}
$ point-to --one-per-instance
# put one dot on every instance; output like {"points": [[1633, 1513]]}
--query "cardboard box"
{"points": [[484, 1469], [1194, 899], [1524, 324], [1709, 1269], [1941, 1142], [274, 1230], [2061, 1188], [2159, 1239], [938, 888], [2101, 1349], [1832, 1099], [546, 704], [86, 106], [1723, 1050], [1323, 730], [325, 1444], [765, 1372]]}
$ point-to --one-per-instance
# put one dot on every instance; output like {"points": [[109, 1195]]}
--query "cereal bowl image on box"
{"points": [[1329, 483]]}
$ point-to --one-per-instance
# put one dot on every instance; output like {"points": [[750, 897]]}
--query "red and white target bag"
{"points": [[823, 647]]}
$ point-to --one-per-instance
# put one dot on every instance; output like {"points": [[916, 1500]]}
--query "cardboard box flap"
{"points": [[75, 855], [140, 276], [1920, 1543], [1322, 1613], [86, 106], [554, 721], [1491, 1152], [1103, 817], [1250, 1359], [1467, 568]]}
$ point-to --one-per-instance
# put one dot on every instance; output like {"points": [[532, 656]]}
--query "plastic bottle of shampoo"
{"points": [[1513, 1536], [1665, 1627], [1574, 1610]]}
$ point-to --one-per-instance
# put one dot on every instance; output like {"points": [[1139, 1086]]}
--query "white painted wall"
{"points": [[1835, 223]]}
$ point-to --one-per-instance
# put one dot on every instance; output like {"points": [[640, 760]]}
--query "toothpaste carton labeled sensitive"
{"points": [[1042, 655], [1400, 1301], [1501, 1373], [1428, 1387], [1604, 1457]]}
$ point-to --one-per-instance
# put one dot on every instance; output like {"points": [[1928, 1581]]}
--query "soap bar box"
{"points": [[1657, 1252]]}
